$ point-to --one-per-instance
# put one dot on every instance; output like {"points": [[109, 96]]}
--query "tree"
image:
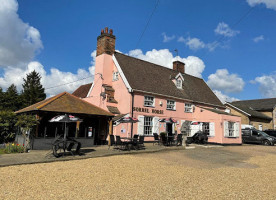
{"points": [[2, 99], [12, 100], [33, 91], [26, 123], [7, 126]]}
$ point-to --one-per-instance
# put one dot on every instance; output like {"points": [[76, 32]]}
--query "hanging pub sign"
{"points": [[148, 110]]}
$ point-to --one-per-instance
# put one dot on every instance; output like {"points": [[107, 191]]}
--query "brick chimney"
{"points": [[106, 42], [179, 66]]}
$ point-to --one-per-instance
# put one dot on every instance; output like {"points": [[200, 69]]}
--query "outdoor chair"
{"points": [[156, 139], [135, 142], [179, 140], [112, 141], [141, 141], [135, 136], [164, 139], [120, 143]]}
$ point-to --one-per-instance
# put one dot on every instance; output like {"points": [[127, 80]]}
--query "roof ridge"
{"points": [[255, 99], [157, 65], [51, 100]]}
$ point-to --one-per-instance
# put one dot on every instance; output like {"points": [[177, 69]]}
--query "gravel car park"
{"points": [[212, 172]]}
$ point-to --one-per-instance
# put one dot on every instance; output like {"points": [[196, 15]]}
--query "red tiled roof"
{"points": [[66, 103], [82, 91]]}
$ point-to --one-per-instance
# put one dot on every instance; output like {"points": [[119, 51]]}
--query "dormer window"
{"points": [[179, 83], [179, 80], [115, 76]]}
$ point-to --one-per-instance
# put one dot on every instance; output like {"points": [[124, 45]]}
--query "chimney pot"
{"points": [[106, 42]]}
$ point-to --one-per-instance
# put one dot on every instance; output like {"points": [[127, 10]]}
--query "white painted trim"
{"points": [[179, 74], [88, 94], [121, 73], [237, 109]]}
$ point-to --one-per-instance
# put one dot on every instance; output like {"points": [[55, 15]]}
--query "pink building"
{"points": [[127, 86]]}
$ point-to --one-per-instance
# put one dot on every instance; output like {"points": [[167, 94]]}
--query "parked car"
{"points": [[252, 135], [271, 132]]}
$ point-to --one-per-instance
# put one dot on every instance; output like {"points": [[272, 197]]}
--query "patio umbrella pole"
{"points": [[65, 131]]}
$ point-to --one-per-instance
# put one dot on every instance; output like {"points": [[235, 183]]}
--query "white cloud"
{"points": [[268, 3], [258, 39], [19, 42], [223, 97], [225, 30], [196, 43], [193, 65], [167, 38], [267, 85], [226, 82], [15, 75]]}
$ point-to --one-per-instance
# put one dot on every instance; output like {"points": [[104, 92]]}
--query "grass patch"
{"points": [[2, 151]]}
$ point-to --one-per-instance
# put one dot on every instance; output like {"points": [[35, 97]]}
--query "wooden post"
{"points": [[110, 131], [36, 130], [77, 129]]}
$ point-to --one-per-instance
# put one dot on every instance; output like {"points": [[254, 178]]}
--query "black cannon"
{"points": [[198, 138]]}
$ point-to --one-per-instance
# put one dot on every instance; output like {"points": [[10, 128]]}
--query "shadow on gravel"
{"points": [[205, 158], [215, 157]]}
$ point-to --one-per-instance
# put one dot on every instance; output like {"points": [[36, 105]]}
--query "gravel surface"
{"points": [[166, 175]]}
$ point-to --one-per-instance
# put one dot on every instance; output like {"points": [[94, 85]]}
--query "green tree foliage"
{"points": [[12, 99], [7, 126], [2, 99], [26, 123], [33, 91]]}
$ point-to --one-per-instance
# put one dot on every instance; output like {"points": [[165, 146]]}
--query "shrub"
{"points": [[14, 148]]}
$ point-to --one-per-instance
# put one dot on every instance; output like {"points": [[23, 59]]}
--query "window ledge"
{"points": [[146, 135], [149, 106]]}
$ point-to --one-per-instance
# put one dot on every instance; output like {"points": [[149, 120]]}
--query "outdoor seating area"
{"points": [[127, 143], [168, 139]]}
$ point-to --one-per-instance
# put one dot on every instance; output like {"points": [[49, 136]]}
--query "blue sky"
{"points": [[232, 53]]}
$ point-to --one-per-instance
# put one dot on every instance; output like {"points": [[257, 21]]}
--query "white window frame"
{"points": [[231, 129], [115, 76], [148, 102], [148, 125], [178, 83], [206, 128], [188, 108], [171, 106]]}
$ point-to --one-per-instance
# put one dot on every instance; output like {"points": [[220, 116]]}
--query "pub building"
{"points": [[127, 86], [92, 130]]}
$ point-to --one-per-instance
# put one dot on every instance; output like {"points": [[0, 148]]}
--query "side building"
{"points": [[162, 99], [261, 113]]}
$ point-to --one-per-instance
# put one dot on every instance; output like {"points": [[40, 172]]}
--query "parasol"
{"points": [[128, 120], [66, 119]]}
